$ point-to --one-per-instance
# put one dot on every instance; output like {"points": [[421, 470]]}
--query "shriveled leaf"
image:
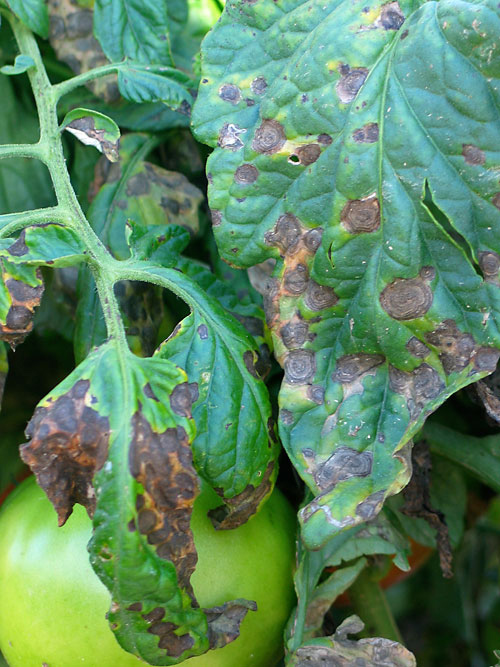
{"points": [[348, 161], [134, 29], [156, 83], [115, 436], [236, 445], [94, 129], [478, 456], [21, 64], [340, 651], [33, 13]]}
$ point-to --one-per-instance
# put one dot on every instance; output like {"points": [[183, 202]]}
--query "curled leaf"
{"points": [[94, 129]]}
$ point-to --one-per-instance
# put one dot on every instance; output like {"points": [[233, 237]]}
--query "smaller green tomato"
{"points": [[53, 606]]}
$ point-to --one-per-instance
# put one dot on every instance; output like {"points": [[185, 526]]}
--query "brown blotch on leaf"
{"points": [[295, 279], [352, 366], [418, 504], [287, 417], [318, 297], [246, 174], [203, 331], [308, 154], [68, 445], [135, 606], [139, 184], [249, 361], [237, 510], [489, 263], [316, 393], [368, 134], [391, 17], [230, 93], [300, 366], [343, 464], [19, 247], [216, 217], [224, 621], [86, 126], [417, 348], [486, 359], [495, 200], [312, 239], [19, 320], [406, 298], [419, 387], [350, 82], [269, 137], [456, 348], [369, 508], [325, 139], [285, 233], [163, 464], [361, 215], [259, 85], [295, 333], [473, 155], [173, 644], [182, 398]]}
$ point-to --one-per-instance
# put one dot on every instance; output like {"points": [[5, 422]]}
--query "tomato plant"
{"points": [[285, 247], [46, 568]]}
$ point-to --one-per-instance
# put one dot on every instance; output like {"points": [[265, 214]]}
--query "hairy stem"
{"points": [[67, 86]]}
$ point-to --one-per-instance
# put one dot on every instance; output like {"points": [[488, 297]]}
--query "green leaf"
{"points": [[235, 446], [33, 13], [478, 456], [124, 429], [94, 129], [155, 83], [366, 167], [162, 244], [44, 245], [135, 29], [21, 64]]}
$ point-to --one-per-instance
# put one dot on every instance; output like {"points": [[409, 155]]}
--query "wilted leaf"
{"points": [[94, 129], [340, 651], [340, 159], [235, 445], [33, 13], [115, 436], [21, 64]]}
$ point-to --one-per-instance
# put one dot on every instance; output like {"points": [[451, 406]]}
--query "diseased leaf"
{"points": [[156, 83], [33, 13], [94, 129], [341, 651], [115, 436], [162, 244], [21, 64], [134, 29], [349, 161]]}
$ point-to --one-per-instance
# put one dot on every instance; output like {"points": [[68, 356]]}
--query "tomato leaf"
{"points": [[21, 64], [365, 167], [156, 83], [115, 436], [94, 129], [33, 13]]}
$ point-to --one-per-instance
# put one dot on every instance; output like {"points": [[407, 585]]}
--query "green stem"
{"points": [[370, 604], [67, 86], [35, 151], [13, 222], [69, 209]]}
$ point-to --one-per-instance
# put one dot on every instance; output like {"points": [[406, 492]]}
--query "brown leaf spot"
{"points": [[406, 298], [391, 18], [173, 644], [318, 297], [361, 215], [325, 139], [237, 510], [486, 359], [295, 279], [287, 417], [343, 464], [68, 445], [350, 82], [216, 217], [300, 366], [230, 93], [181, 399], [246, 174], [312, 239], [456, 348], [418, 387], [369, 508], [135, 606], [19, 320], [163, 464], [308, 154], [294, 333], [417, 348], [229, 137], [203, 331], [368, 134], [495, 200], [259, 85], [269, 137], [224, 621], [285, 233], [473, 155], [316, 393], [489, 263], [19, 247], [352, 366], [249, 361]]}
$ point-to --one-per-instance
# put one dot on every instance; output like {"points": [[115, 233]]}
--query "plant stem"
{"points": [[13, 222], [35, 151], [67, 86], [370, 604]]}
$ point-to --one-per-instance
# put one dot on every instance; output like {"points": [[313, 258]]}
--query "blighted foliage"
{"points": [[363, 165]]}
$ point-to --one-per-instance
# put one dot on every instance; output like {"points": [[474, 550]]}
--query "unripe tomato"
{"points": [[53, 606]]}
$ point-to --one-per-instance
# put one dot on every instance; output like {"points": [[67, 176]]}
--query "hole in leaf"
{"points": [[294, 159]]}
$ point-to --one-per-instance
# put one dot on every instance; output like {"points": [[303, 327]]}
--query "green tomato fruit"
{"points": [[53, 606]]}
